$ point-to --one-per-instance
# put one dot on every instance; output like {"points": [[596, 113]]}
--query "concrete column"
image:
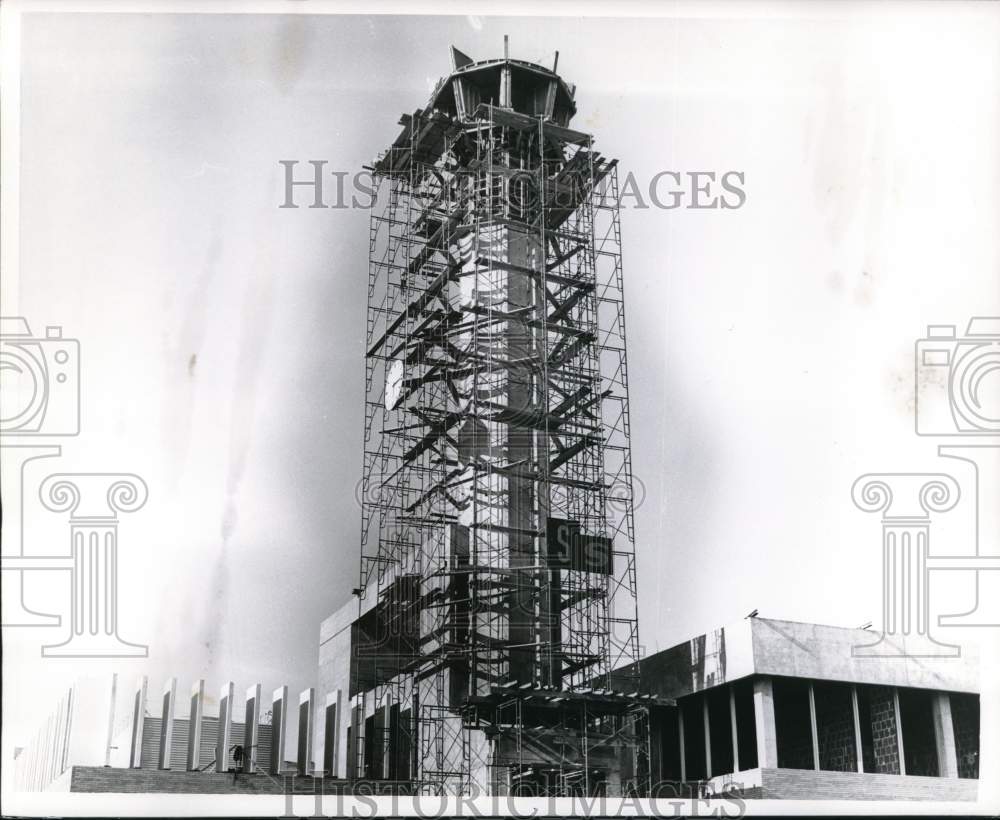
{"points": [[505, 79], [138, 722], [763, 713], [732, 725], [708, 737], [167, 722], [305, 739], [899, 731], [225, 727], [279, 728], [944, 735], [680, 740], [813, 727], [251, 728], [194, 726], [857, 728]]}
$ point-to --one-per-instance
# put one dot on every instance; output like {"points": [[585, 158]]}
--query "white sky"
{"points": [[770, 348]]}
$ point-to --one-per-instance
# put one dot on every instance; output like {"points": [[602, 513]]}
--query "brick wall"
{"points": [[775, 784], [146, 781], [801, 784], [885, 746], [835, 727]]}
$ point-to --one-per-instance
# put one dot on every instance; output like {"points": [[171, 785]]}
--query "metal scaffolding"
{"points": [[498, 579]]}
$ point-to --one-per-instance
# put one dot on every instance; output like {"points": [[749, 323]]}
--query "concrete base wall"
{"points": [[771, 784], [803, 784], [150, 781]]}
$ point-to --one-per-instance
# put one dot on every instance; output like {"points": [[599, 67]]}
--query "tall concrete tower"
{"points": [[498, 572]]}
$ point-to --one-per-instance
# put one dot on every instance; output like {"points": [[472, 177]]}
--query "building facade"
{"points": [[778, 709]]}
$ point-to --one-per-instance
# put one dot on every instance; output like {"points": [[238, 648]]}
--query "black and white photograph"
{"points": [[482, 410]]}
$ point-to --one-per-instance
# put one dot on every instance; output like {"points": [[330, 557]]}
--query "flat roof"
{"points": [[766, 646]]}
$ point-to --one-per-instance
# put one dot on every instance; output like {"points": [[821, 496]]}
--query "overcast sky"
{"points": [[770, 347]]}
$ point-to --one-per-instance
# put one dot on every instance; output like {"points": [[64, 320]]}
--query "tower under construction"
{"points": [[498, 576], [491, 642]]}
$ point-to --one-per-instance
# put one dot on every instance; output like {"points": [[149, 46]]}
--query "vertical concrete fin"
{"points": [[167, 722], [331, 733], [279, 728], [111, 719], [225, 727], [194, 725], [305, 736], [138, 722], [251, 728]]}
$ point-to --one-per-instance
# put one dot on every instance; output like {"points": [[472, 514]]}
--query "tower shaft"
{"points": [[498, 569]]}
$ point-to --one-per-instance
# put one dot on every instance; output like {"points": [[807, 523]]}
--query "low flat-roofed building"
{"points": [[779, 709]]}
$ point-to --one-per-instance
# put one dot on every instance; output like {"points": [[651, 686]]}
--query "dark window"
{"points": [[330, 737], [746, 725], [720, 730], [965, 722], [916, 713], [352, 756], [404, 745], [665, 744], [369, 750], [793, 723], [694, 737]]}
